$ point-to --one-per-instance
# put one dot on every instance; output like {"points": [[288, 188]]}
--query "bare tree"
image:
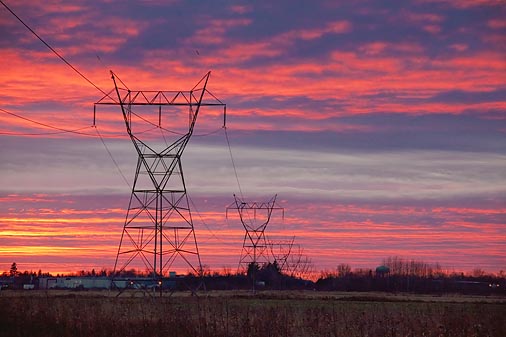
{"points": [[343, 270]]}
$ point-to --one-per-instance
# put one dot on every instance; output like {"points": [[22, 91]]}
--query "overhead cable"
{"points": [[112, 157], [233, 162], [53, 50], [60, 130]]}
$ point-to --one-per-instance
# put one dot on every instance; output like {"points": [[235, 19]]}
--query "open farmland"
{"points": [[64, 313]]}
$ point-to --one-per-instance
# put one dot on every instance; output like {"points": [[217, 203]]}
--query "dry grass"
{"points": [[63, 313]]}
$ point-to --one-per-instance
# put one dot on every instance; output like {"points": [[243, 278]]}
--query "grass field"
{"points": [[65, 313]]}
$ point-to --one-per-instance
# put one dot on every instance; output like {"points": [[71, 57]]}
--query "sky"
{"points": [[379, 125]]}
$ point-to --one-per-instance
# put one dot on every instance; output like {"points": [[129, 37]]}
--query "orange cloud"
{"points": [[71, 231], [347, 76]]}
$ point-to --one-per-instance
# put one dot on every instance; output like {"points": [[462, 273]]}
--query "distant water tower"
{"points": [[382, 271]]}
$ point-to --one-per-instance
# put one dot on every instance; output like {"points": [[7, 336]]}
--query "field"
{"points": [[66, 313]]}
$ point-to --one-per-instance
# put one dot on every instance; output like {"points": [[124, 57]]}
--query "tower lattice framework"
{"points": [[158, 229], [255, 217], [280, 251]]}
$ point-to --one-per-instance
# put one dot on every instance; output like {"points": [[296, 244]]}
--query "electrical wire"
{"points": [[84, 76], [60, 130], [155, 125], [47, 133], [53, 50], [105, 94], [202, 219], [49, 126], [233, 162], [112, 157], [77, 131], [208, 133]]}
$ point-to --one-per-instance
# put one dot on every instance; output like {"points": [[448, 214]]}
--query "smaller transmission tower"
{"points": [[280, 251], [255, 217]]}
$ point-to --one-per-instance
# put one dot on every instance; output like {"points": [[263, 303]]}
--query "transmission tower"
{"points": [[254, 217], [280, 251], [158, 229]]}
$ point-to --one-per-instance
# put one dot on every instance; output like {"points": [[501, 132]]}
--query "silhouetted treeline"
{"points": [[403, 275], [455, 283], [395, 275]]}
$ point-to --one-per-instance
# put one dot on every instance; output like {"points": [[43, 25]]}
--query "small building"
{"points": [[74, 283]]}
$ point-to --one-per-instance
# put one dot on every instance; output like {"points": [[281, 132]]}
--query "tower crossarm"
{"points": [[193, 99]]}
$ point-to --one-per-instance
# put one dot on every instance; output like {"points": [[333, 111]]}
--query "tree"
{"points": [[14, 269], [270, 273], [343, 270], [478, 272], [252, 271]]}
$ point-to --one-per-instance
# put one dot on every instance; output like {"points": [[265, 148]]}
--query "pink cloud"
{"points": [[433, 29], [387, 49], [240, 9], [460, 47], [497, 24], [464, 3], [399, 68], [215, 31], [119, 31], [421, 17], [374, 48], [28, 77], [336, 27], [428, 22], [274, 46], [38, 9]]}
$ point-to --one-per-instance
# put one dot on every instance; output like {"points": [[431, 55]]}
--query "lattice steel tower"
{"points": [[280, 251], [158, 229], [255, 217]]}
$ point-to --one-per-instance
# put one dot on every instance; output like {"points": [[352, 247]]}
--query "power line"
{"points": [[46, 133], [53, 50], [76, 131], [202, 219], [208, 133], [99, 89], [60, 130], [233, 162], [153, 124], [113, 160], [84, 76]]}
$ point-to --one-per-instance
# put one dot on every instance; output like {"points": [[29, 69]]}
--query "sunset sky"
{"points": [[380, 125]]}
